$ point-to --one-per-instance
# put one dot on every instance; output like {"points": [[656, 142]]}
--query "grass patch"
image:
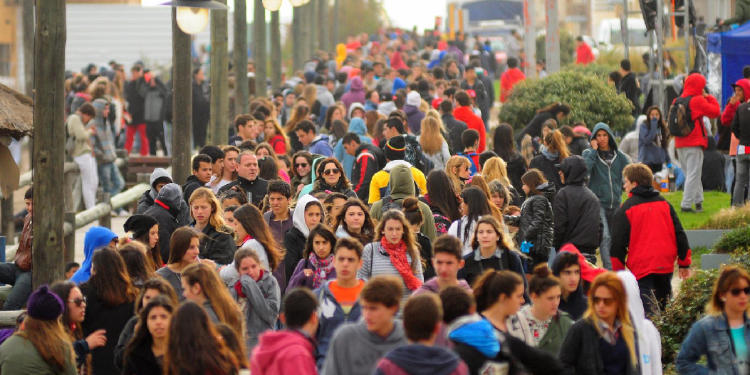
{"points": [[696, 256], [713, 202], [729, 218]]}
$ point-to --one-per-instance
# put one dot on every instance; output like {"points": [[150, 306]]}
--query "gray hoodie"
{"points": [[356, 351], [260, 306], [103, 140], [147, 199]]}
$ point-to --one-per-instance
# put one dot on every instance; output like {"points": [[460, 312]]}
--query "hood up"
{"points": [[357, 125], [401, 182], [96, 238], [574, 170], [159, 174], [171, 195], [357, 85], [694, 85], [354, 106], [605, 127], [298, 217]]}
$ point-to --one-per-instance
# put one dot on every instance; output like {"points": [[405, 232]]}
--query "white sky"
{"points": [[403, 13]]}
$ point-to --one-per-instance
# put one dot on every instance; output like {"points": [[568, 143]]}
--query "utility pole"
{"points": [[335, 21], [323, 23], [219, 99], [304, 40], [49, 140], [275, 51], [313, 4], [297, 14], [182, 101], [529, 39], [552, 39], [259, 47], [624, 30], [241, 90]]}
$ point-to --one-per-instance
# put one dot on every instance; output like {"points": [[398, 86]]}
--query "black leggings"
{"points": [[155, 131]]}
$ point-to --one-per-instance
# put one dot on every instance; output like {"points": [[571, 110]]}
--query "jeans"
{"points": [[743, 174], [606, 216], [729, 172], [656, 289], [691, 159], [12, 275], [110, 178], [89, 178]]}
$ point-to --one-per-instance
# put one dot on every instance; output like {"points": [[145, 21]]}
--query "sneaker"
{"points": [[686, 209], [699, 207]]}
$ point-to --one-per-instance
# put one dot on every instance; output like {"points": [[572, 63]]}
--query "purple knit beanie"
{"points": [[44, 305]]}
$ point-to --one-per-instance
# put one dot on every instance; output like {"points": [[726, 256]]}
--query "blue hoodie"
{"points": [[398, 83], [477, 333], [357, 126], [96, 238]]}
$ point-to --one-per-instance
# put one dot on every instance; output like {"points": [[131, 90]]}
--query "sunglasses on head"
{"points": [[736, 291], [331, 171], [78, 301], [300, 165], [606, 301]]}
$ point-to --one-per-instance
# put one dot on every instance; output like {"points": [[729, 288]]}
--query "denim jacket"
{"points": [[710, 336]]}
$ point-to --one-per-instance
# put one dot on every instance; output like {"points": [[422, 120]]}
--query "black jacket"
{"points": [[579, 352], [167, 217], [576, 209], [577, 145], [516, 167], [191, 184], [521, 358], [425, 250], [534, 127], [256, 190], [141, 361], [548, 168], [536, 223], [294, 243], [110, 318], [217, 246], [629, 86], [576, 303], [510, 260], [135, 101], [322, 186], [455, 128], [741, 124], [127, 333], [366, 164]]}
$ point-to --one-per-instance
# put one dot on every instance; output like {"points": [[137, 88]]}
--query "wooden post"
{"points": [[182, 102], [313, 5], [275, 51], [259, 47], [335, 22], [70, 240], [323, 25], [8, 226], [241, 91], [49, 140], [217, 133], [303, 43], [104, 220], [297, 21], [27, 15]]}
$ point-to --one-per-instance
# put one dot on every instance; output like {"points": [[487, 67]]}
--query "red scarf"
{"points": [[238, 285], [397, 253], [247, 238]]}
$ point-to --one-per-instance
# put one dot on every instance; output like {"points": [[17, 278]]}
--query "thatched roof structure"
{"points": [[16, 113]]}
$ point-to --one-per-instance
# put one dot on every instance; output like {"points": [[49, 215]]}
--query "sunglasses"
{"points": [[78, 301], [736, 291], [331, 171], [606, 301], [303, 165]]}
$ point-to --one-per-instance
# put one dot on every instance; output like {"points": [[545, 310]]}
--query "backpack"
{"points": [[680, 119], [390, 204]]}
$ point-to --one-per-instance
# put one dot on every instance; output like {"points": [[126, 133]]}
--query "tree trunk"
{"points": [[335, 32], [323, 22], [314, 32], [240, 57], [49, 141], [182, 102], [297, 23], [259, 48], [219, 99], [275, 51], [28, 45]]}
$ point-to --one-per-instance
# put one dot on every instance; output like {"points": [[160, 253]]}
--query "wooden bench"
{"points": [[144, 165]]}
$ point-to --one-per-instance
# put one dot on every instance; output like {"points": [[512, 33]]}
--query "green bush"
{"points": [[729, 218], [736, 239], [590, 98], [599, 70], [567, 48]]}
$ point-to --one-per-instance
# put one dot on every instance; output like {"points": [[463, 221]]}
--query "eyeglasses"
{"points": [[78, 301], [736, 291], [331, 171], [607, 301], [303, 165]]}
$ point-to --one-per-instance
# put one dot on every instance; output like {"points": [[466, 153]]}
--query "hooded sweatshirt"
{"points": [[401, 185], [355, 351], [576, 209], [352, 108], [96, 238], [413, 115], [283, 352], [398, 84], [605, 176], [649, 339], [356, 126], [476, 343], [418, 359], [699, 106], [262, 300], [103, 140], [295, 238], [166, 210], [356, 93], [380, 182], [727, 140]]}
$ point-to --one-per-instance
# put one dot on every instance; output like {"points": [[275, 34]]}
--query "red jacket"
{"points": [[472, 121], [283, 352], [728, 115], [647, 231], [584, 55], [509, 78], [700, 106]]}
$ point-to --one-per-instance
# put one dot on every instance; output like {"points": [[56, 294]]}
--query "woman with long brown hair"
{"points": [[330, 177], [258, 295], [110, 295], [394, 252], [553, 152], [301, 170], [536, 222], [145, 351], [443, 200], [217, 243], [184, 247], [202, 285], [492, 248], [604, 341], [136, 263], [145, 229], [301, 111], [354, 221], [275, 136], [255, 234], [206, 353], [41, 346]]}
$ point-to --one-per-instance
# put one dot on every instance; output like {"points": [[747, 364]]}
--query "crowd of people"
{"points": [[367, 220]]}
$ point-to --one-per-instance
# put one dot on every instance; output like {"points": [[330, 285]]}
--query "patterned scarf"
{"points": [[397, 253], [322, 268]]}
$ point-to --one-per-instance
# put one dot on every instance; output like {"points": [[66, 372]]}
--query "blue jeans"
{"points": [[21, 280], [606, 217], [110, 178]]}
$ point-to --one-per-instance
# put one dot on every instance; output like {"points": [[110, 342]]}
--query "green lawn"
{"points": [[713, 201]]}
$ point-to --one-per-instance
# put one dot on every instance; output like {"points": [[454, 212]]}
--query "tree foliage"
{"points": [[590, 98], [567, 48]]}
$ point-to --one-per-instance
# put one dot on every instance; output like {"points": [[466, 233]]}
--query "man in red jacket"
{"points": [[647, 237], [509, 79], [290, 351], [464, 113], [584, 55], [690, 147]]}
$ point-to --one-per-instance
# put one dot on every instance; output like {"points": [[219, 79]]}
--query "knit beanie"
{"points": [[44, 305], [139, 225], [395, 148], [413, 98]]}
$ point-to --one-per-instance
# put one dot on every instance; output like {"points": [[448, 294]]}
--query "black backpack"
{"points": [[680, 119]]}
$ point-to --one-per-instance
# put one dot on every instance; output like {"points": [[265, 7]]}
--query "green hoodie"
{"points": [[741, 13], [402, 185], [605, 179]]}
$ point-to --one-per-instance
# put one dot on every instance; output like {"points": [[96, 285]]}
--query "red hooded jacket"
{"points": [[509, 78], [283, 352], [584, 55], [700, 106], [728, 115], [472, 121]]}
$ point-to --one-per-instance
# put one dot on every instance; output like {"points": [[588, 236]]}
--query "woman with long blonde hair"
{"points": [[604, 340], [217, 243], [495, 168], [553, 152], [433, 144], [202, 285], [457, 169]]}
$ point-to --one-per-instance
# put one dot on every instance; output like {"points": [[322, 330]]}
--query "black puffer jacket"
{"points": [[167, 214], [576, 209], [536, 223], [217, 246], [549, 169]]}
